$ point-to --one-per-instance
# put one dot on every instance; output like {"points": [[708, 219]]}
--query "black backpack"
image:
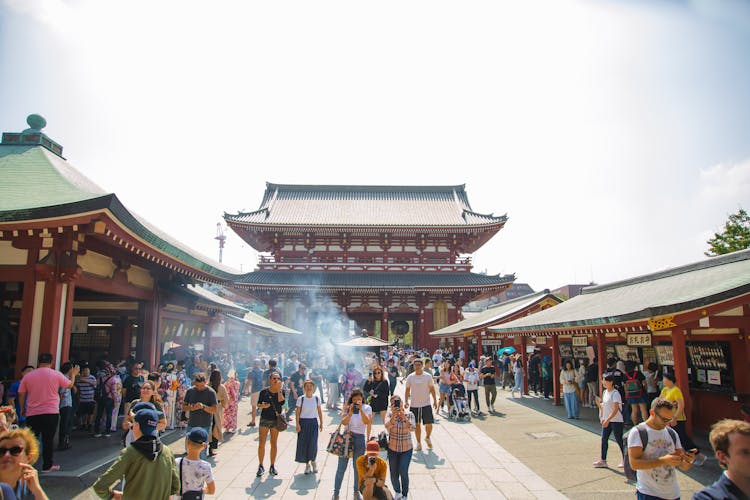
{"points": [[100, 391], [643, 432]]}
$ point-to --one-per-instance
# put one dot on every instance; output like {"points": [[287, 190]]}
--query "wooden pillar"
{"points": [[148, 333], [28, 329], [479, 346], [525, 363], [556, 367], [384, 324], [67, 322], [601, 356], [55, 309], [681, 373], [127, 335]]}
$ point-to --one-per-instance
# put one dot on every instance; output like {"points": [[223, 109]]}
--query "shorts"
{"points": [[423, 413], [254, 398], [86, 408], [268, 422], [445, 388], [636, 401]]}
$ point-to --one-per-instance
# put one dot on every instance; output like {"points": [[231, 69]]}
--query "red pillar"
{"points": [[149, 333], [420, 340], [556, 367], [68, 322], [384, 324], [525, 363], [601, 356], [681, 373], [479, 345], [56, 308]]}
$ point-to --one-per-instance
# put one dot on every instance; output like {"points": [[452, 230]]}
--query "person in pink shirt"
{"points": [[39, 399]]}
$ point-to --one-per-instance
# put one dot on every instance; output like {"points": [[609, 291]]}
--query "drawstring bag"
{"points": [[341, 444]]}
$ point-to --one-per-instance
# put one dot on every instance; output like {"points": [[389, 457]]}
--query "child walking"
{"points": [[196, 477]]}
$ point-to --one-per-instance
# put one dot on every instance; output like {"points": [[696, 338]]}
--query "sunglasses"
{"points": [[13, 450]]}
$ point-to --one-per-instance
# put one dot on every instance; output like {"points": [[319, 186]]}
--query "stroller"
{"points": [[459, 403]]}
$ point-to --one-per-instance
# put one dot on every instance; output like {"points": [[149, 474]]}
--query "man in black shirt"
{"points": [[392, 376], [487, 376], [200, 400], [131, 385]]}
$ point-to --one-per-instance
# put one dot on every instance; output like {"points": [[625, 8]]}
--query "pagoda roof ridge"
{"points": [[367, 187]]}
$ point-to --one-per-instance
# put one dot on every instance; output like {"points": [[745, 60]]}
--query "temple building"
{"points": [[396, 260]]}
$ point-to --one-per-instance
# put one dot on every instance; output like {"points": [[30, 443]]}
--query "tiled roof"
{"points": [[406, 280], [38, 184], [493, 314], [216, 300], [644, 297], [364, 342], [347, 206], [262, 325]]}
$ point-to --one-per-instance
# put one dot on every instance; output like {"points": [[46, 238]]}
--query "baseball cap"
{"points": [[373, 448], [147, 420], [142, 405], [197, 435]]}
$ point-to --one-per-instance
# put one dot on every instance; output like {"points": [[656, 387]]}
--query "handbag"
{"points": [[281, 423], [341, 444]]}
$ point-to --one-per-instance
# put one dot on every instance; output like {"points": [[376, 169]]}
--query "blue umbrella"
{"points": [[506, 350]]}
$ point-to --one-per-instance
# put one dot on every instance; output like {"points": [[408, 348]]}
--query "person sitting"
{"points": [[372, 471]]}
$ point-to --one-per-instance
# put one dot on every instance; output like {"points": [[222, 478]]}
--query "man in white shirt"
{"points": [[419, 386], [655, 462]]}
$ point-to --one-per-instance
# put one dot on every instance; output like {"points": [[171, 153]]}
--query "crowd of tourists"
{"points": [[291, 389]]}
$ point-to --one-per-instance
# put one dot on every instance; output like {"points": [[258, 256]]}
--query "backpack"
{"points": [[100, 391], [643, 432], [633, 386]]}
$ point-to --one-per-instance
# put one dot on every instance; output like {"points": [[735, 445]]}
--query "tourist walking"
{"points": [[200, 400], [730, 440], [487, 375], [358, 417], [352, 379], [148, 395], [222, 400], [86, 384], [517, 365], [108, 391], [232, 387], [271, 403], [547, 376], [592, 376], [253, 386], [399, 424], [569, 384], [610, 416], [444, 385], [672, 393], [419, 387], [392, 376], [655, 460], [39, 401], [332, 383], [66, 409], [309, 421], [634, 386], [471, 378], [196, 476], [652, 383], [583, 389], [376, 389]]}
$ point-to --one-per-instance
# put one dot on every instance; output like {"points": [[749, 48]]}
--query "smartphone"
{"points": [[356, 408], [397, 403], [371, 460]]}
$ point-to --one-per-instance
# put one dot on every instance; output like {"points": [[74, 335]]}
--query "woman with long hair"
{"points": [[518, 374], [376, 389], [309, 421], [569, 385], [610, 416], [400, 424], [20, 450], [232, 387], [444, 385], [358, 416], [222, 400], [271, 403]]}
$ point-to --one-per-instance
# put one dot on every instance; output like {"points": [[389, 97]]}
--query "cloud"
{"points": [[726, 183]]}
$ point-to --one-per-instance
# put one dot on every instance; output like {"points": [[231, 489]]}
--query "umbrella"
{"points": [[506, 350]]}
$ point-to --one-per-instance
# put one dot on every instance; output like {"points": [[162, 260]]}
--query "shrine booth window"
{"points": [[710, 366]]}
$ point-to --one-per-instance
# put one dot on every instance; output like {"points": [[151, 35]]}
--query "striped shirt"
{"points": [[399, 435], [86, 391]]}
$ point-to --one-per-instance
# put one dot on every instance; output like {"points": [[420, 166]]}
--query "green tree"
{"points": [[735, 236]]}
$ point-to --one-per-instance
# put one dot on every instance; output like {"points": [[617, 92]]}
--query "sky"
{"points": [[614, 134]]}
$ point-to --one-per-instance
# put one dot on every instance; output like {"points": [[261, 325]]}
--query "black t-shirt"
{"points": [[132, 386], [298, 380], [200, 418], [487, 380], [267, 396], [592, 372], [392, 375]]}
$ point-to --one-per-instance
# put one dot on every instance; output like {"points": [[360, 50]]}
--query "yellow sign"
{"points": [[663, 323]]}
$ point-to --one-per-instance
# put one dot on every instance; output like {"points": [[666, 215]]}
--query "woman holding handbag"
{"points": [[358, 417], [271, 404]]}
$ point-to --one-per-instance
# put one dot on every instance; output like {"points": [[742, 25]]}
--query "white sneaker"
{"points": [[397, 496], [418, 447], [314, 467], [308, 469]]}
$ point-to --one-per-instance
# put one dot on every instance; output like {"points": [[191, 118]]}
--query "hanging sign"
{"points": [[639, 339], [581, 341], [541, 341]]}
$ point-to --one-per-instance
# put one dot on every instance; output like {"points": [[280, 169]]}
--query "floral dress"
{"points": [[183, 384], [230, 412]]}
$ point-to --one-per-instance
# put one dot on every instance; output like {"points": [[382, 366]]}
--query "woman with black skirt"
{"points": [[309, 422], [271, 403], [376, 389]]}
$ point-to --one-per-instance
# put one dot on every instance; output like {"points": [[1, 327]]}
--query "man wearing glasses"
{"points": [[655, 462], [200, 400]]}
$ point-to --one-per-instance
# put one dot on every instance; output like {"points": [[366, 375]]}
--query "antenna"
{"points": [[222, 239]]}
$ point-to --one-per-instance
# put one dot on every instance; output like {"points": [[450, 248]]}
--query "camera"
{"points": [[397, 403], [371, 461], [356, 409]]}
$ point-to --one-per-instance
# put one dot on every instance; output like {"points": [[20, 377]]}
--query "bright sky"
{"points": [[613, 134]]}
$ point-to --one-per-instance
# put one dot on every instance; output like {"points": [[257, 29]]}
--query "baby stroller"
{"points": [[459, 404]]}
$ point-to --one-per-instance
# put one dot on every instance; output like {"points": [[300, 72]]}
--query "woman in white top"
{"points": [[569, 384], [358, 417], [471, 377], [309, 422], [610, 415]]}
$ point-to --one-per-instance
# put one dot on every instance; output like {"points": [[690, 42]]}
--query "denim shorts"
{"points": [[444, 388], [635, 401]]}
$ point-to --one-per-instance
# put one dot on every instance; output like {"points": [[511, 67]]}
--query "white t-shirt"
{"points": [[419, 387], [651, 385], [355, 423], [661, 481], [472, 380], [609, 398], [309, 406], [194, 474]]}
